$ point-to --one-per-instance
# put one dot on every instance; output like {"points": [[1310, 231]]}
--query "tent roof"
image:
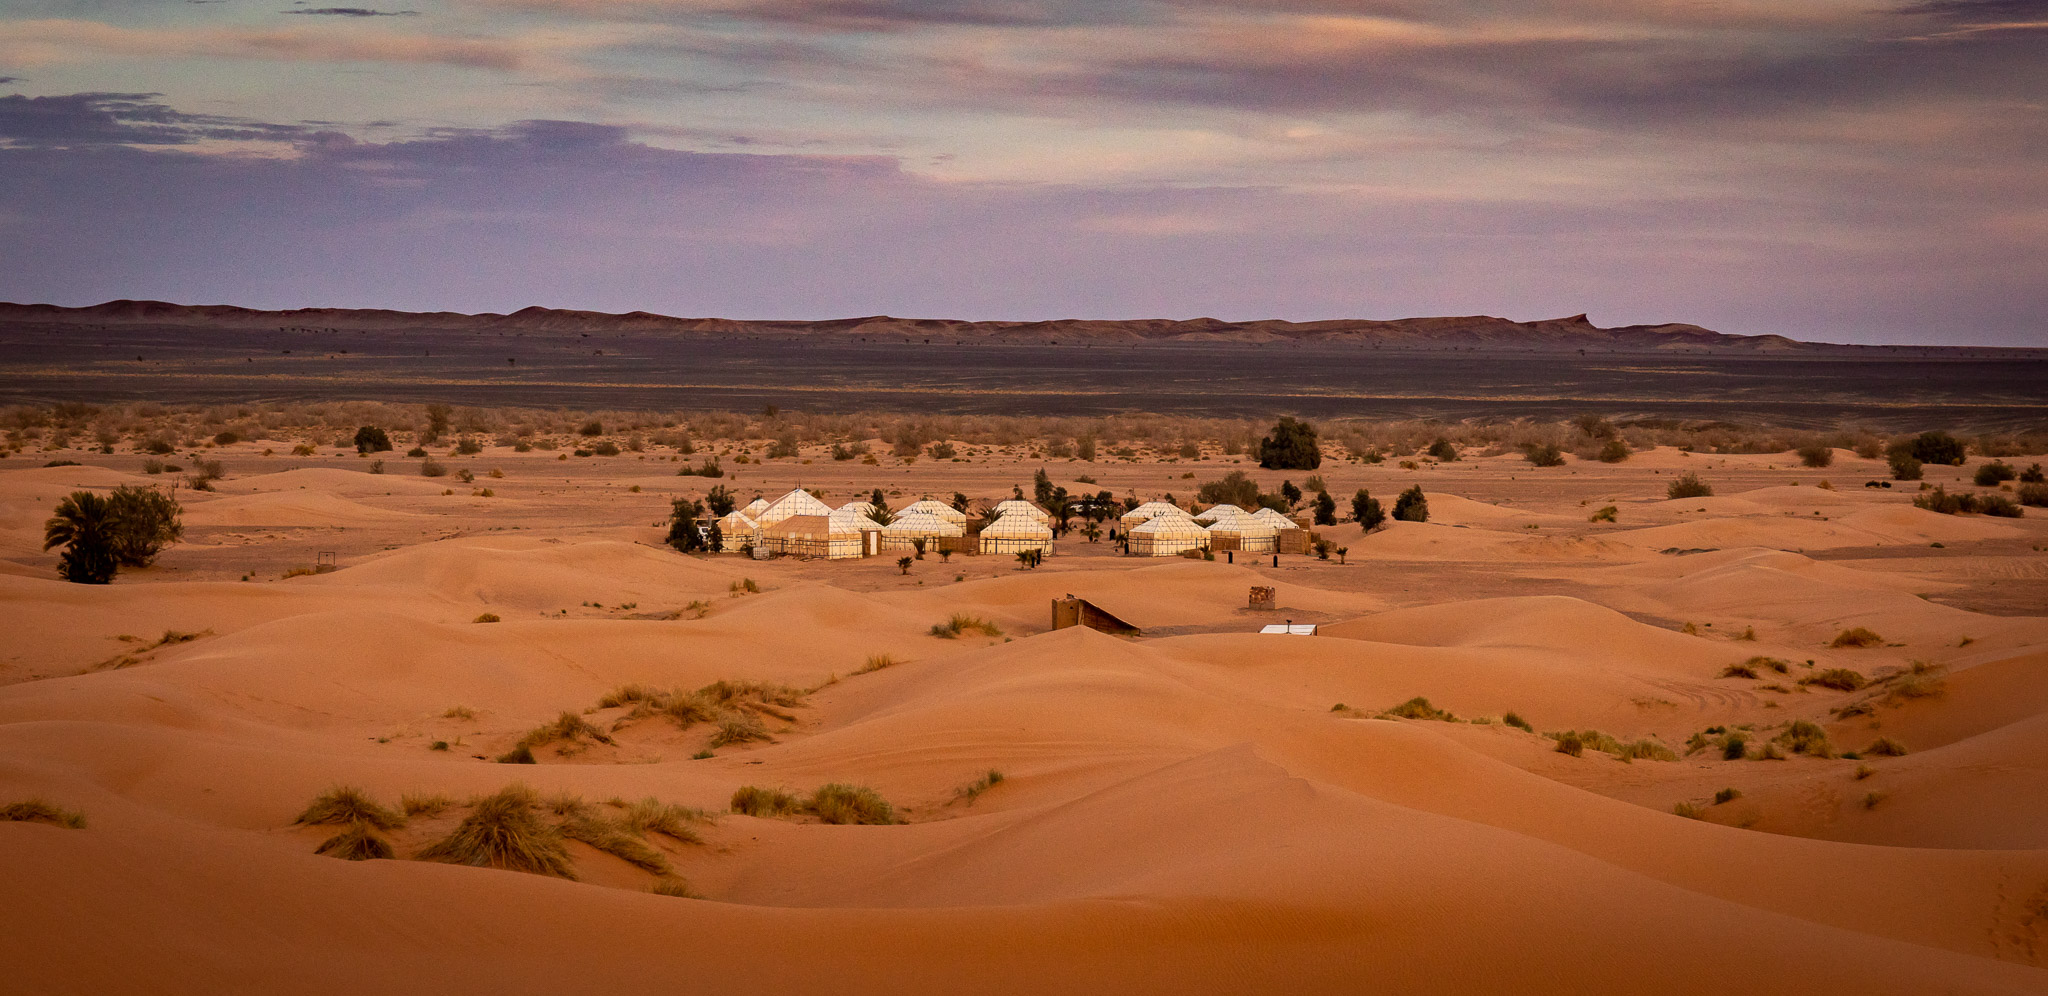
{"points": [[756, 507], [736, 518], [1155, 508], [1218, 513], [797, 502], [938, 508], [1169, 525], [1279, 521], [1018, 526], [923, 524], [1014, 506], [849, 517], [801, 525]]}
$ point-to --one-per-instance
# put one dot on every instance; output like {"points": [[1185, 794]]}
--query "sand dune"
{"points": [[1198, 809]]}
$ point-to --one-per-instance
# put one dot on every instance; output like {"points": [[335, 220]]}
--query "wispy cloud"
{"points": [[351, 12]]}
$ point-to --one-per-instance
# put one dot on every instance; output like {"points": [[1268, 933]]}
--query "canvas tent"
{"points": [[1166, 536], [1016, 507], [812, 536], [755, 508], [1221, 513], [1277, 520], [1016, 533], [1247, 533], [909, 527], [1148, 511], [797, 502], [735, 530]]}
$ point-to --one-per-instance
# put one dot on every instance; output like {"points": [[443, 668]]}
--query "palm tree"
{"points": [[84, 526], [903, 564], [1092, 531]]}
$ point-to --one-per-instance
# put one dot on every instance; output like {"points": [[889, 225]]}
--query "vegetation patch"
{"points": [[960, 623], [356, 843], [567, 728], [973, 790], [851, 805], [1885, 747], [1418, 708], [344, 804], [750, 800], [40, 811], [1856, 638], [504, 830], [1840, 679], [1805, 737]]}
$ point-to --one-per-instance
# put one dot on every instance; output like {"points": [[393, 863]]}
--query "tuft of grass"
{"points": [[1871, 799], [1604, 515], [736, 728], [1805, 737], [960, 623], [1689, 810], [1738, 671], [1864, 771], [567, 727], [1922, 681], [1419, 708], [750, 800], [1771, 752], [1570, 743], [1515, 720], [1645, 749], [429, 806], [521, 754], [614, 838], [357, 843], [1840, 679], [1856, 638], [1886, 747], [852, 805], [458, 712], [503, 831], [41, 811], [348, 804], [1727, 795], [1773, 663], [670, 885], [625, 695], [1734, 747], [876, 662], [651, 815], [974, 789], [488, 617]]}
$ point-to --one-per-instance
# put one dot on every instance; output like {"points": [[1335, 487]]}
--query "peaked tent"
{"points": [[1223, 512], [811, 536], [1166, 536], [735, 530], [797, 502], [755, 508], [1016, 533], [939, 509], [1016, 507], [1247, 533], [1277, 520], [912, 526], [1149, 511]]}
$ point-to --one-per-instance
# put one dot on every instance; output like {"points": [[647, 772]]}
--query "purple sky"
{"points": [[1846, 171]]}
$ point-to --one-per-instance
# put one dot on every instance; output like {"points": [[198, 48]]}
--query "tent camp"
{"points": [[1016, 533], [1148, 511], [1166, 536], [910, 527], [797, 502]]}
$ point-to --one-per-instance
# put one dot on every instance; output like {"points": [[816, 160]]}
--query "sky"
{"points": [[1837, 170]]}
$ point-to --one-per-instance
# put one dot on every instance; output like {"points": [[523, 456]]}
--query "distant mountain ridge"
{"points": [[1576, 331]]}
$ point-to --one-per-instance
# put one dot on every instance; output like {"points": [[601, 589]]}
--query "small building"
{"points": [[1167, 536], [1147, 512], [1072, 611], [1016, 533]]}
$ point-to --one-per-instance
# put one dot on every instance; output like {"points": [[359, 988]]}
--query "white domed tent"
{"points": [[1148, 511], [1017, 507], [1016, 533], [938, 508], [909, 527], [1247, 533], [797, 502], [736, 530], [1166, 536], [1277, 520]]}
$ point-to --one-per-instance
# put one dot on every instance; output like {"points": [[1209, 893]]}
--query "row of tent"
{"points": [[1157, 529], [799, 524]]}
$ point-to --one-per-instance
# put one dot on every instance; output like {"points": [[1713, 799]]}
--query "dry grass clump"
{"points": [[651, 815], [1689, 810], [567, 728], [1738, 671], [1419, 708], [1840, 679], [670, 885], [1922, 681], [1645, 749], [960, 623], [877, 662], [974, 789], [1805, 737], [735, 707], [1886, 747], [503, 830], [1870, 800], [1760, 663], [1727, 795], [357, 843], [1515, 720], [348, 804], [736, 729], [458, 712], [751, 800], [613, 837], [1569, 743], [851, 804], [488, 617], [428, 806], [41, 811], [1856, 638]]}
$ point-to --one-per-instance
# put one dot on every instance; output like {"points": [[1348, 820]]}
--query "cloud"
{"points": [[51, 41], [87, 119], [351, 12]]}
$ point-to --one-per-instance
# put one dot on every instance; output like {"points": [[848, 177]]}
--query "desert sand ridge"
{"points": [[1197, 809]]}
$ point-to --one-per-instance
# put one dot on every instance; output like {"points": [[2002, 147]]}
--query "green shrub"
{"points": [[1993, 474], [1290, 446], [1689, 485], [1614, 451], [1544, 455], [1412, 506], [1817, 455]]}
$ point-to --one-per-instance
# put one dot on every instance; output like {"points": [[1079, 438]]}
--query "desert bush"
{"points": [[851, 805], [612, 837], [1734, 747], [467, 446], [1999, 506], [1885, 747], [1515, 720], [1805, 737], [1923, 680], [204, 473], [1936, 447], [431, 467], [1645, 749], [1614, 451], [605, 448], [962, 623], [1570, 744], [591, 428], [1290, 446], [424, 805], [371, 439], [40, 811], [1738, 671], [651, 815], [1856, 637], [1366, 510], [348, 804], [1689, 810], [356, 843], [1443, 449], [1419, 708], [1604, 515], [1904, 467], [1689, 485], [567, 727], [1726, 795], [1544, 455], [503, 831], [1772, 663], [1817, 455], [973, 790], [1993, 474], [750, 800], [737, 729], [1840, 679], [488, 617], [1412, 505]]}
